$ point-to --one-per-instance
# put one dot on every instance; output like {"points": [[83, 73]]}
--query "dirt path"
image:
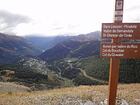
{"points": [[92, 78]]}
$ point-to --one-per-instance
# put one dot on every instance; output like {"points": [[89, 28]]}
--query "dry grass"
{"points": [[71, 96], [12, 87]]}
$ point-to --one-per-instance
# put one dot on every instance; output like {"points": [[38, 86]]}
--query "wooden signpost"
{"points": [[122, 44]]}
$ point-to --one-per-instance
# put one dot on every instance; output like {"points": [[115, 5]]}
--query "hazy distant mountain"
{"points": [[76, 46], [44, 43], [87, 37], [14, 47]]}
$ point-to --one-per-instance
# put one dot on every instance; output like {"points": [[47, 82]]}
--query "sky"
{"points": [[61, 17]]}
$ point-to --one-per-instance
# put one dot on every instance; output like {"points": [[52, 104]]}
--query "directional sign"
{"points": [[118, 11], [121, 30], [120, 50]]}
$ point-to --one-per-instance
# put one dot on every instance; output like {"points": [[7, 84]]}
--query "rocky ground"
{"points": [[82, 95]]}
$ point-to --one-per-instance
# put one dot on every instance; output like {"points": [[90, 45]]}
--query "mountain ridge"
{"points": [[13, 47], [71, 49], [45, 43]]}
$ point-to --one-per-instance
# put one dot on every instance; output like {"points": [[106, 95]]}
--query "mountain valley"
{"points": [[70, 61]]}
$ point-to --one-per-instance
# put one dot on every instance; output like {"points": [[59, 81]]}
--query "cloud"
{"points": [[133, 8], [9, 21], [58, 28]]}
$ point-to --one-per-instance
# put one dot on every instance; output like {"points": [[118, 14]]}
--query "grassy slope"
{"points": [[71, 96], [12, 87]]}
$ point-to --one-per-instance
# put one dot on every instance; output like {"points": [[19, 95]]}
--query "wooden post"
{"points": [[113, 80], [115, 62]]}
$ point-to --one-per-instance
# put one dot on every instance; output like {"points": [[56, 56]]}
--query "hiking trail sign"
{"points": [[119, 40], [126, 34], [121, 31], [120, 50]]}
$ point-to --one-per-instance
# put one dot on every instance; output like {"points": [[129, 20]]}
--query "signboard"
{"points": [[118, 11], [121, 30], [119, 5], [112, 34], [120, 50]]}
